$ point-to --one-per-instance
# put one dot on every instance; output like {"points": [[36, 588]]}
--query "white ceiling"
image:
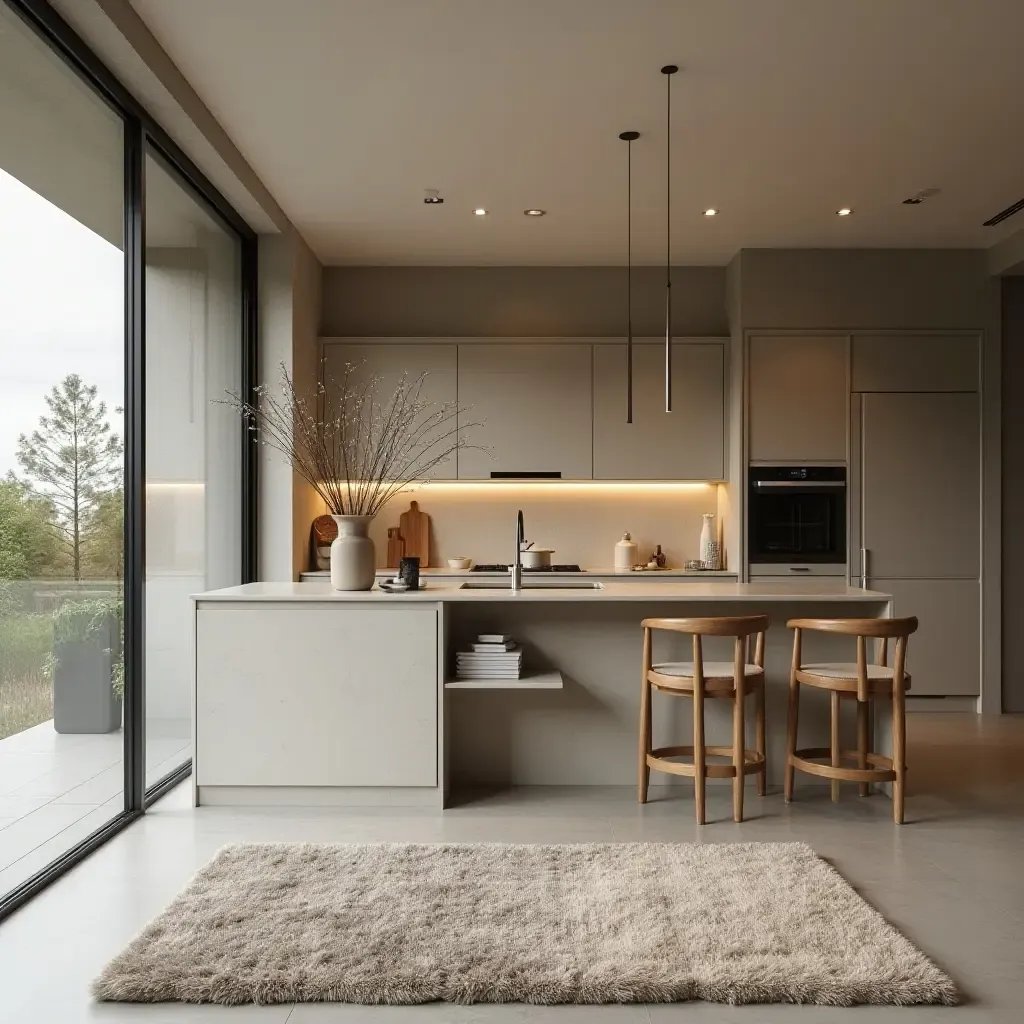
{"points": [[784, 111]]}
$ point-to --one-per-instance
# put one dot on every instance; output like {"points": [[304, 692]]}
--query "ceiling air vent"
{"points": [[1004, 214], [919, 197]]}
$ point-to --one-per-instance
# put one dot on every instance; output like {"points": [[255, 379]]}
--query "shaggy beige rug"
{"points": [[587, 923]]}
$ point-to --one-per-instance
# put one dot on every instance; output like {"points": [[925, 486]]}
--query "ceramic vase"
{"points": [[353, 560], [708, 541]]}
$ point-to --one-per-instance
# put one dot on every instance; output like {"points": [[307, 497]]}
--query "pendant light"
{"points": [[629, 138], [668, 71]]}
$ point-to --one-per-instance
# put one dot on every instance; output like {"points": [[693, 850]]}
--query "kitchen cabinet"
{"points": [[388, 361], [302, 695], [920, 479], [798, 398], [534, 403], [685, 444], [914, 362], [943, 656], [916, 512]]}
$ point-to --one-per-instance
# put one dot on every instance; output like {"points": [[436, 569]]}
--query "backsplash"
{"points": [[581, 522]]}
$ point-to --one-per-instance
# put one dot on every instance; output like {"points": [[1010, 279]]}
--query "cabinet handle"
{"points": [[799, 568], [863, 568]]}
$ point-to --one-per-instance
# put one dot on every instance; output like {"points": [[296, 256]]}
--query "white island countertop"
{"points": [[820, 590]]}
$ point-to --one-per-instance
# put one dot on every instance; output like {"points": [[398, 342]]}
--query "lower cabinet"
{"points": [[944, 655], [301, 695]]}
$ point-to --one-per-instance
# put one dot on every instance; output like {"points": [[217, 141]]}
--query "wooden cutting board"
{"points": [[415, 529], [396, 547]]}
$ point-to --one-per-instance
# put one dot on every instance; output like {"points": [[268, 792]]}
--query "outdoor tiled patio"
{"points": [[57, 788]]}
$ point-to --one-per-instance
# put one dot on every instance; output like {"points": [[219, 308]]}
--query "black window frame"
{"points": [[142, 132]]}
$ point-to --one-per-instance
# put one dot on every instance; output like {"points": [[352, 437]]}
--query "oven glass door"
{"points": [[798, 525]]}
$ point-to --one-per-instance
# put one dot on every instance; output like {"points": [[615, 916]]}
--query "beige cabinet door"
{"points": [[685, 444], [944, 655], [799, 396], [914, 362], [389, 362], [316, 695], [920, 482], [533, 402]]}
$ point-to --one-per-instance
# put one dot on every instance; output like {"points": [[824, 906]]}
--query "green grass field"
{"points": [[26, 675]]}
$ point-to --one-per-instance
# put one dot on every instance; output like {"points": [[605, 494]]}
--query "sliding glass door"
{"points": [[127, 298], [193, 449], [62, 360]]}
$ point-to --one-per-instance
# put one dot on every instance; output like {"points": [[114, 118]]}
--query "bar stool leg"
{"points": [[792, 720], [899, 754], [762, 749], [835, 743], [863, 712], [699, 758], [738, 732], [644, 769]]}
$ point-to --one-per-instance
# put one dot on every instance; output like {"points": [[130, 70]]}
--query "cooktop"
{"points": [[499, 567]]}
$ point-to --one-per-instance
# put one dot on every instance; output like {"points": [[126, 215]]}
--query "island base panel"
{"points": [[586, 732]]}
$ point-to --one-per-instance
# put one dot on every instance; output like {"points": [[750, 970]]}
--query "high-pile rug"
{"points": [[586, 923]]}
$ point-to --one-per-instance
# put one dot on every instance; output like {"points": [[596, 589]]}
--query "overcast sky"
{"points": [[61, 311]]}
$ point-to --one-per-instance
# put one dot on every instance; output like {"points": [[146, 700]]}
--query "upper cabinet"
{"points": [[685, 444], [388, 361], [534, 403], [799, 398], [559, 406], [915, 362]]}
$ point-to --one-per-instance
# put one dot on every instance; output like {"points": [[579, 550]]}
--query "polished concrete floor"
{"points": [[952, 879]]}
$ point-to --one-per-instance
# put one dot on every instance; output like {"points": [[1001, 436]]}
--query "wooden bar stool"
{"points": [[714, 679], [864, 683]]}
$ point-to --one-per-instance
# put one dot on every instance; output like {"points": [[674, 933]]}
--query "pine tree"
{"points": [[73, 459]]}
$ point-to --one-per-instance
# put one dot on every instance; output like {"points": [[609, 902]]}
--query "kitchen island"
{"points": [[306, 695]]}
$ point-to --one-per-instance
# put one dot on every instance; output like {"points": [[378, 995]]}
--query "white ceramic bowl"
{"points": [[460, 563]]}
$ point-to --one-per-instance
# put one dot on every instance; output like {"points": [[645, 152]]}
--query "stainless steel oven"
{"points": [[796, 520]]}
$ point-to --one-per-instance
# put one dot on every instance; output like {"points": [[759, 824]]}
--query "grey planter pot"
{"points": [[83, 695]]}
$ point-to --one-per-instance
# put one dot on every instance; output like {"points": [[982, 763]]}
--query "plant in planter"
{"points": [[366, 447], [88, 668]]}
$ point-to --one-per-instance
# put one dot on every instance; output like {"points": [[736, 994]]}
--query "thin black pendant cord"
{"points": [[669, 70], [629, 280], [629, 138]]}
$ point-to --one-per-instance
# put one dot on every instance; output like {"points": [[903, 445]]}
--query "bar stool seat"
{"points": [[701, 679], [846, 671], [678, 675]]}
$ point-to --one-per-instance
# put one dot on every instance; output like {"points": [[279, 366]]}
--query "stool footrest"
{"points": [[881, 771], [753, 762]]}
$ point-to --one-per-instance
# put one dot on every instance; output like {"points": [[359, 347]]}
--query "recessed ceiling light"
{"points": [[710, 212], [480, 211], [844, 211], [535, 213]]}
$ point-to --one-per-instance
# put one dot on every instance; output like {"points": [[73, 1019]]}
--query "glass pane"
{"points": [[193, 444], [61, 457]]}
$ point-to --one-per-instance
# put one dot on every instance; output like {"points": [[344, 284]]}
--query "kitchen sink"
{"points": [[533, 584]]}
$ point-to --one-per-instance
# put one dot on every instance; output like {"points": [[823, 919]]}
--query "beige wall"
{"points": [[1013, 491], [582, 522], [290, 298], [519, 302], [902, 289], [907, 289]]}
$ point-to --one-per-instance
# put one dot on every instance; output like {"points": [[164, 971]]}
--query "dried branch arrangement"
{"points": [[367, 446]]}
